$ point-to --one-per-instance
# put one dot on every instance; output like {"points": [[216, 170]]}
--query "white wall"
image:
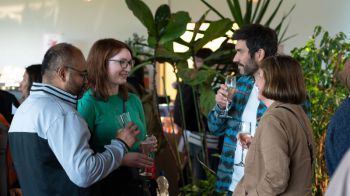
{"points": [[23, 23]]}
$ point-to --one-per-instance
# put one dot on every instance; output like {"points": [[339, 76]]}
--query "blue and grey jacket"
{"points": [[49, 145]]}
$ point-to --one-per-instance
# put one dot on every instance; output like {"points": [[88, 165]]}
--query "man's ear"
{"points": [[61, 72], [259, 55]]}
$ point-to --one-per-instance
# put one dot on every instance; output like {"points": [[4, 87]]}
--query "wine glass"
{"points": [[230, 83], [124, 119], [244, 136]]}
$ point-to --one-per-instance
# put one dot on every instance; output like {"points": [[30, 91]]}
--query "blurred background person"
{"points": [[280, 156], [108, 64], [190, 126], [338, 133], [8, 178], [8, 105], [32, 74]]}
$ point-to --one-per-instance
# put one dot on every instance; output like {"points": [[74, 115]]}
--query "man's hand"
{"points": [[128, 134], [138, 160], [221, 96]]}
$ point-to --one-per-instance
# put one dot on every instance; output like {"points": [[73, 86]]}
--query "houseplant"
{"points": [[255, 13], [322, 57]]}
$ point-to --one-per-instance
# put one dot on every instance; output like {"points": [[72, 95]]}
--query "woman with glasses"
{"points": [[108, 64], [280, 157]]}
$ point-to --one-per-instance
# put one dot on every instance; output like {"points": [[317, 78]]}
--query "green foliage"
{"points": [[202, 187], [143, 13], [201, 79], [254, 14], [162, 29], [322, 57], [215, 30]]}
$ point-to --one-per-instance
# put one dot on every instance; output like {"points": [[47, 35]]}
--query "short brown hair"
{"points": [[284, 79], [97, 62]]}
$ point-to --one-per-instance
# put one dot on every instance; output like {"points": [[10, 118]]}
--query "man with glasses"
{"points": [[50, 141]]}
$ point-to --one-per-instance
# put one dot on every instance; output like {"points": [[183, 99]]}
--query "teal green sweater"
{"points": [[101, 117]]}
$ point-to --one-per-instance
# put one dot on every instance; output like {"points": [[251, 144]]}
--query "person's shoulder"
{"points": [[133, 97], [7, 95], [346, 102], [87, 96]]}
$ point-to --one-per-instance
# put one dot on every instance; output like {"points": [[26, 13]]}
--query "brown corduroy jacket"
{"points": [[278, 160]]}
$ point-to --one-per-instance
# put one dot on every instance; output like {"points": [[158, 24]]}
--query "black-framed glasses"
{"points": [[124, 63], [82, 74]]}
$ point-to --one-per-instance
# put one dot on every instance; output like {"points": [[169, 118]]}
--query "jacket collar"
{"points": [[38, 88]]}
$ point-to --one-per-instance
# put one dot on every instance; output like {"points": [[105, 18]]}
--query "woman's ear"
{"points": [[259, 55]]}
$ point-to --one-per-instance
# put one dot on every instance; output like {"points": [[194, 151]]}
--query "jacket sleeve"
{"points": [[216, 124], [274, 149], [68, 138]]}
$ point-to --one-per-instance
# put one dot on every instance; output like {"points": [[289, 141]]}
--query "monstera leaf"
{"points": [[176, 27], [144, 14]]}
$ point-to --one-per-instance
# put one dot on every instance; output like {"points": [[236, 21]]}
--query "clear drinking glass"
{"points": [[244, 136], [230, 83], [124, 119], [147, 147]]}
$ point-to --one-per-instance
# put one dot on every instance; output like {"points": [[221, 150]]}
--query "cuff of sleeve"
{"points": [[125, 146], [218, 110]]}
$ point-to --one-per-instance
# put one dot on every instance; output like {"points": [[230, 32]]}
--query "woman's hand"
{"points": [[138, 160], [245, 139], [128, 134]]}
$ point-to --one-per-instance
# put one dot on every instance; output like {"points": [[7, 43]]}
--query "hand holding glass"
{"points": [[148, 146], [230, 83], [245, 138]]}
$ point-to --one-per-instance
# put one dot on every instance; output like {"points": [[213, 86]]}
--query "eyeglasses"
{"points": [[123, 63], [82, 74]]}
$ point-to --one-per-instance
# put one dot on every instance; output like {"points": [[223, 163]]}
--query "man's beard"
{"points": [[248, 69], [77, 90]]}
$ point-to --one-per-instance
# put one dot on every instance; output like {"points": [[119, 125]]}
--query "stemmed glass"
{"points": [[230, 83], [244, 136]]}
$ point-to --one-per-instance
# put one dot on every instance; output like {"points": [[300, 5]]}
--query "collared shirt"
{"points": [[49, 145]]}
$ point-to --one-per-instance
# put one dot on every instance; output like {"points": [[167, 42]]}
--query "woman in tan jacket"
{"points": [[279, 160]]}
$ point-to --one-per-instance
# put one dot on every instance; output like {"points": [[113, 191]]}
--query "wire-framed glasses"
{"points": [[124, 63]]}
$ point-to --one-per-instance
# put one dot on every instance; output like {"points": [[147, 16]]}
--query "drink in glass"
{"points": [[230, 83]]}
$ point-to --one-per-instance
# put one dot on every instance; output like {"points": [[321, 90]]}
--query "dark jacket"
{"points": [[7, 101]]}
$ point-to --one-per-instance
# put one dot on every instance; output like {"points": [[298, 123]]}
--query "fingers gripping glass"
{"points": [[244, 135], [230, 83], [124, 63], [146, 147]]}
